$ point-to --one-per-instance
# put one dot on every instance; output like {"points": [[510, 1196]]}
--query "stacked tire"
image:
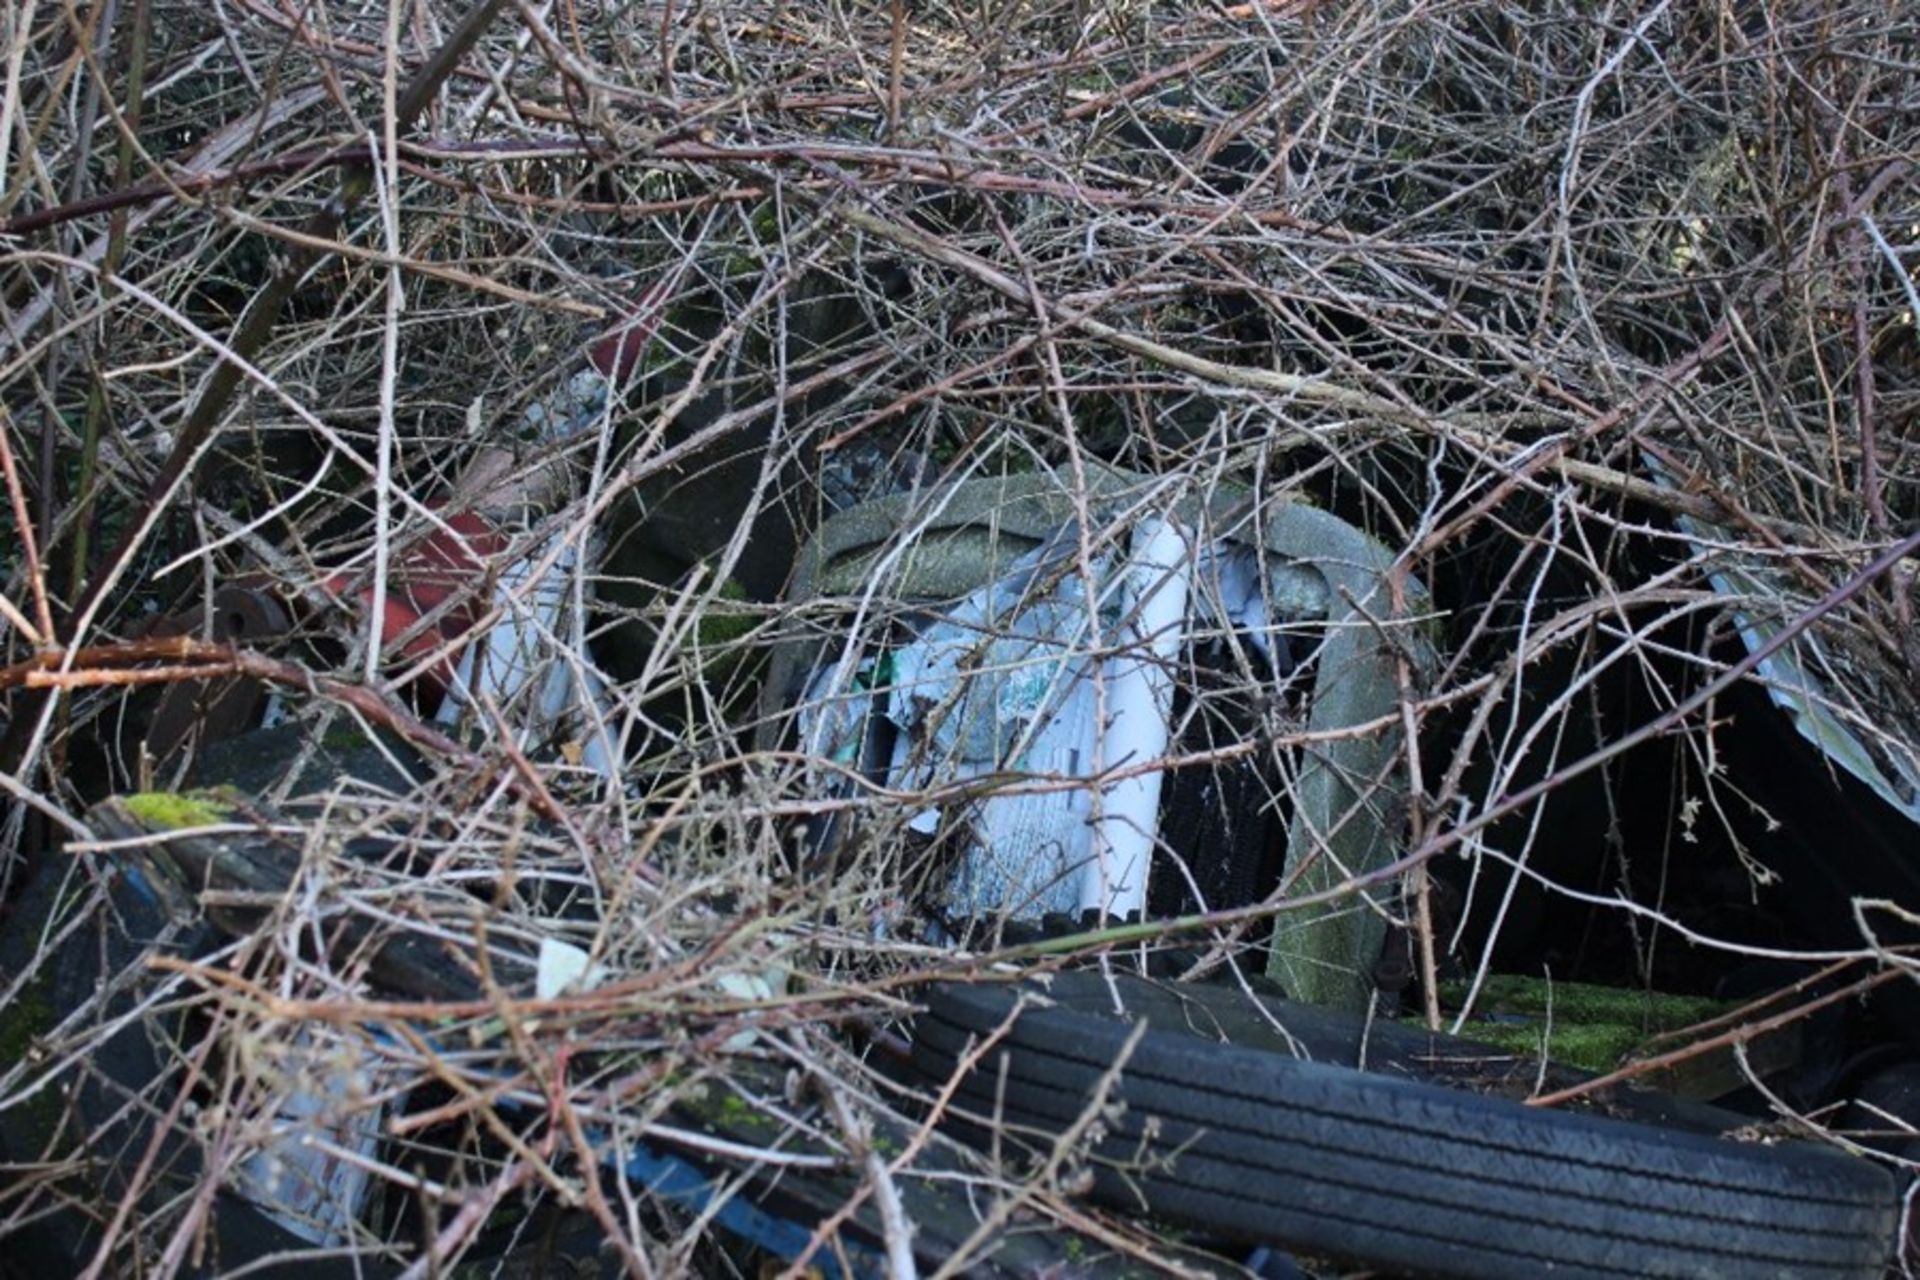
{"points": [[1392, 1170]]}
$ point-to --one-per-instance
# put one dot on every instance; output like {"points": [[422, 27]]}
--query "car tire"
{"points": [[1389, 1169], [111, 1102]]}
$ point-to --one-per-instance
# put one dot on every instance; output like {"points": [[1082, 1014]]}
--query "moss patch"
{"points": [[1598, 1048], [345, 737], [22, 1023], [175, 811], [1591, 1027], [722, 626], [26, 1018], [1583, 1002], [738, 1116]]}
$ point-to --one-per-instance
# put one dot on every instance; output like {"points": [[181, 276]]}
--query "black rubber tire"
{"points": [[1393, 1171], [113, 1100]]}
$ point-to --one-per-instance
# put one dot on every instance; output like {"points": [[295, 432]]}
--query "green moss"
{"points": [[1582, 1002], [174, 811], [25, 1019], [1592, 1027], [1597, 1048], [749, 261], [722, 626], [345, 737], [22, 1022], [766, 222], [736, 1115]]}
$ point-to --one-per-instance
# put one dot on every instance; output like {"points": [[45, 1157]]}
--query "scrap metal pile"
{"points": [[678, 525]]}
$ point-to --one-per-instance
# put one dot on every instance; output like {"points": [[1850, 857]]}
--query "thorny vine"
{"points": [[1600, 319]]}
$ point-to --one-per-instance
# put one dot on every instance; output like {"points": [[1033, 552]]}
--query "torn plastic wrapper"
{"points": [[431, 604], [1139, 704], [431, 591], [1056, 675], [1791, 675], [1000, 685], [314, 1174], [519, 650]]}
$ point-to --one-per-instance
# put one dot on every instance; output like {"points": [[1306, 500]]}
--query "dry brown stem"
{"points": [[1600, 322]]}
